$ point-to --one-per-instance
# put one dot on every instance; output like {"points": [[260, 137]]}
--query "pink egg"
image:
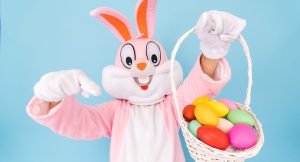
{"points": [[224, 125], [230, 104], [242, 136]]}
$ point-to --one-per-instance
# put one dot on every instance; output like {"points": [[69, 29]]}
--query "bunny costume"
{"points": [[141, 121], [139, 132]]}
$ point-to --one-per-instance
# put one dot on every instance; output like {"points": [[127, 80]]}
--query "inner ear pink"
{"points": [[145, 17], [118, 24]]}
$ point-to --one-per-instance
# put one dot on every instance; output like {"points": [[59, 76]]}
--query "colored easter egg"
{"points": [[242, 136], [230, 104], [238, 116], [193, 127], [230, 148], [213, 137], [201, 100], [188, 112], [220, 109], [205, 115], [224, 125]]}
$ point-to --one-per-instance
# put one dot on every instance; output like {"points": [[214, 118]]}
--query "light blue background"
{"points": [[39, 36]]}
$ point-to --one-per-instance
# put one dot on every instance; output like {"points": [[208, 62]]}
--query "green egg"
{"points": [[193, 126], [238, 116]]}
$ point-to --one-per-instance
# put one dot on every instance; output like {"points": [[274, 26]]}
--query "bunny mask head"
{"points": [[141, 73]]}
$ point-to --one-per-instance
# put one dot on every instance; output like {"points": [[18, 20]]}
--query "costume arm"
{"points": [[74, 120]]}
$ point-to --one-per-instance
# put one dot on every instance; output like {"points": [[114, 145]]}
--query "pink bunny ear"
{"points": [[145, 17], [115, 22]]}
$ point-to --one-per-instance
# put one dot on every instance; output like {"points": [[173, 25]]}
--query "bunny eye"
{"points": [[127, 55], [153, 53]]}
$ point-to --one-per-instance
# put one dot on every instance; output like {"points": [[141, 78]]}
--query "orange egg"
{"points": [[188, 112], [213, 137]]}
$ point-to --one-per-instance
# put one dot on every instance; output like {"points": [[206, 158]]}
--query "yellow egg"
{"points": [[201, 100], [218, 107], [205, 115]]}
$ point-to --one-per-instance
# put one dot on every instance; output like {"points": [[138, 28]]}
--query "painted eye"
{"points": [[128, 61], [127, 55], [153, 53]]}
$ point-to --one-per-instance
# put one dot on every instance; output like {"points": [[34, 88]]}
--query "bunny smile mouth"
{"points": [[143, 82]]}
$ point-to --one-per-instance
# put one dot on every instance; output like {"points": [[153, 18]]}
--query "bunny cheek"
{"points": [[121, 84]]}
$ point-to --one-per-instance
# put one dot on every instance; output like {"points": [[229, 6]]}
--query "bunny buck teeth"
{"points": [[143, 82]]}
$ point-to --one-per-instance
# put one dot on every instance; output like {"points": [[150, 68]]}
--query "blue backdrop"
{"points": [[39, 36]]}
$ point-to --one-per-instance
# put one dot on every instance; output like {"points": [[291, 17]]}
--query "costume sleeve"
{"points": [[74, 120], [199, 84]]}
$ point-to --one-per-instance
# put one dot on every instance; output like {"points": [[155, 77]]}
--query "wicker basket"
{"points": [[200, 151]]}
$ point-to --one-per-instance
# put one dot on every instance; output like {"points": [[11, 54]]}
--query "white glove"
{"points": [[55, 86], [216, 30]]}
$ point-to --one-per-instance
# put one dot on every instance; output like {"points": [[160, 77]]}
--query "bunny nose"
{"points": [[141, 66]]}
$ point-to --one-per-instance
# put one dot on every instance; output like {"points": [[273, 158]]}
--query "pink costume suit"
{"points": [[138, 133]]}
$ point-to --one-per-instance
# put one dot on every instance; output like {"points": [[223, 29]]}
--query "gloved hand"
{"points": [[216, 30], [55, 86]]}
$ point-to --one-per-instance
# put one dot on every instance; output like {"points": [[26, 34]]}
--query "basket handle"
{"points": [[173, 56]]}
